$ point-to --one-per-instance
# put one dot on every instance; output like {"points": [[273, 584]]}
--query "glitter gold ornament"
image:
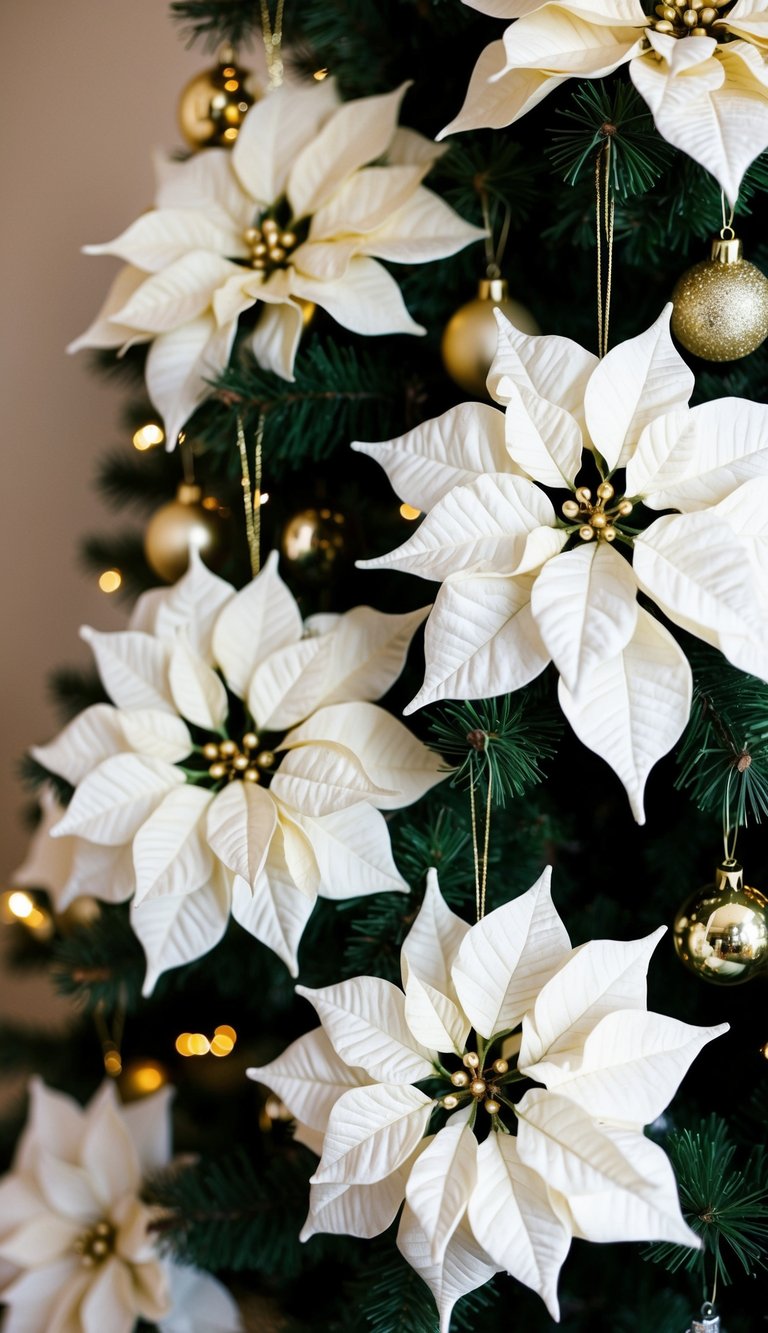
{"points": [[721, 305], [315, 544], [721, 931], [471, 334], [212, 105], [187, 520]]}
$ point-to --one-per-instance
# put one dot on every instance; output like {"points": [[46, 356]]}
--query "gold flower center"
{"points": [[269, 246], [474, 1081], [689, 18], [228, 760], [596, 519], [96, 1244]]}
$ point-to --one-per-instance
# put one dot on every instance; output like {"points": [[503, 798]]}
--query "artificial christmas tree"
{"points": [[248, 745]]}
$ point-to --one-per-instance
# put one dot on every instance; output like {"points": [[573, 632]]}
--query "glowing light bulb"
{"points": [[110, 580]]}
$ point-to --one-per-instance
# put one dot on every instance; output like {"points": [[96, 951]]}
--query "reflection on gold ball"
{"points": [[721, 305], [470, 337], [213, 105], [175, 526], [721, 932], [314, 544]]}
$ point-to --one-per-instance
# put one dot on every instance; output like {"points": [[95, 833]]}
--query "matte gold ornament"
{"points": [[314, 544], [471, 334], [721, 932], [213, 104], [189, 519], [721, 305]]}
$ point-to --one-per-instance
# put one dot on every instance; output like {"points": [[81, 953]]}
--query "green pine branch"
{"points": [[614, 112], [123, 551], [211, 22]]}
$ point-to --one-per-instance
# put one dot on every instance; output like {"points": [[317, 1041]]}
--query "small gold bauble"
{"points": [[314, 544], [721, 932], [460, 1079], [477, 1087], [250, 740], [720, 306], [178, 524], [450, 1102], [492, 1106], [471, 334], [501, 1066], [265, 759], [471, 1060], [214, 103]]}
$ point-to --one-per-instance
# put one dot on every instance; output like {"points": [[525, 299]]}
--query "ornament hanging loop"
{"points": [[605, 211], [478, 741], [494, 253], [730, 829]]}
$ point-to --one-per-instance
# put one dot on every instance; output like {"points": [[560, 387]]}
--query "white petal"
{"points": [[198, 1302], [93, 735], [175, 931], [42, 1240], [356, 133], [542, 438], [105, 331], [277, 697], [299, 855], [506, 958], [435, 1021], [276, 910], [554, 368], [636, 382], [365, 201], [110, 1301], [440, 1184], [569, 1150], [366, 300], [197, 691], [262, 618], [631, 1067], [98, 872], [111, 804], [149, 1124], [204, 181], [432, 943], [693, 460], [599, 976], [354, 1210], [424, 228], [309, 1077], [490, 104], [108, 1155], [481, 639], [320, 780], [427, 462], [190, 607], [512, 1215], [632, 709], [181, 365], [155, 734], [569, 41], [585, 607], [178, 294], [54, 1120], [354, 854], [133, 668], [67, 1187], [35, 1294], [465, 1265], [275, 340], [480, 526], [391, 756], [170, 852], [160, 237], [371, 1131], [274, 131], [241, 822], [364, 1017]]}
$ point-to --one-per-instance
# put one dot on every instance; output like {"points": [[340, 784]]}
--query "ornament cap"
{"points": [[729, 875], [708, 1322], [493, 289], [726, 249], [189, 493]]}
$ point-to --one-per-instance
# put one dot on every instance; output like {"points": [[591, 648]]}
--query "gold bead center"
{"points": [[596, 519], [96, 1244], [689, 18], [269, 245], [227, 760]]}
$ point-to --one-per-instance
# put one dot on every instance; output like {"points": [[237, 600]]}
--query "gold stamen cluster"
{"points": [[96, 1244], [479, 1084], [595, 519], [688, 18], [229, 761], [269, 246]]}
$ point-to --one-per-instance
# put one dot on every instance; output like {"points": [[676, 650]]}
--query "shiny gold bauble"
{"points": [[470, 337], [214, 103], [720, 306], [314, 544], [187, 520], [721, 932]]}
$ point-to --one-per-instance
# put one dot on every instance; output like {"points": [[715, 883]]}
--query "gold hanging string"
{"points": [[251, 501], [730, 834], [481, 861], [187, 459], [494, 254], [111, 1041], [273, 41], [605, 209]]}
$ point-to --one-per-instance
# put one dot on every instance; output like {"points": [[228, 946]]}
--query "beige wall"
{"points": [[88, 89]]}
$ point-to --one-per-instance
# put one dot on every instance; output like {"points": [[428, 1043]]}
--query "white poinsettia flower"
{"points": [[76, 1234], [513, 1171], [706, 84], [522, 586], [241, 765], [314, 193]]}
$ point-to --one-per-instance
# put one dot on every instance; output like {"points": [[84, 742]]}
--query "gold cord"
{"points": [[252, 526], [273, 41], [111, 1041], [494, 254], [605, 211], [257, 491], [730, 834], [727, 223], [187, 460], [481, 862]]}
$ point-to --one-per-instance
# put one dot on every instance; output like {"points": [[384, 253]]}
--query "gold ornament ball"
{"points": [[314, 544], [721, 932], [214, 103], [471, 334], [720, 306], [182, 522]]}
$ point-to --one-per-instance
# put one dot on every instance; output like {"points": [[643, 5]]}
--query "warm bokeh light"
{"points": [[145, 1078], [222, 1045], [20, 904], [182, 1043], [146, 437], [408, 511], [198, 1044], [112, 1063], [224, 1030], [110, 580], [320, 74]]}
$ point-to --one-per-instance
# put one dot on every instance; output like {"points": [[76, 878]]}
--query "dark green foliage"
{"points": [[101, 965], [212, 22], [123, 551], [616, 112]]}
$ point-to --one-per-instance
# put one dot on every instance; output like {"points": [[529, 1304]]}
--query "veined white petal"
{"points": [[109, 1156], [365, 201], [431, 945], [133, 668], [189, 607], [261, 619], [240, 825], [464, 1267], [366, 300], [274, 132], [692, 460], [97, 872], [180, 366], [275, 340], [440, 1185], [364, 1017], [197, 691], [176, 930], [424, 228], [357, 132], [92, 736], [112, 802], [105, 331], [205, 182], [435, 1020], [309, 1077], [275, 911], [170, 853], [492, 102], [320, 780], [353, 852], [354, 1210], [278, 696], [162, 236], [178, 294], [543, 440], [371, 1132], [556, 369]]}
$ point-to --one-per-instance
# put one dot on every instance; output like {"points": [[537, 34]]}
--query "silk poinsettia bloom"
{"points": [[76, 1234], [312, 196], [425, 1094], [522, 586], [702, 69], [240, 766]]}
